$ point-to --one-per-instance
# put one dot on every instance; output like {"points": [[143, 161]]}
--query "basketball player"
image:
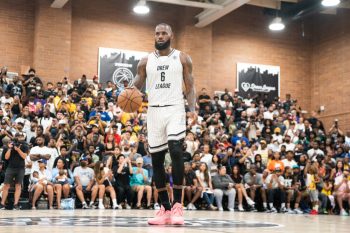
{"points": [[165, 70]]}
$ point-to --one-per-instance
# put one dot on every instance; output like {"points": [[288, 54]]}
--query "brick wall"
{"points": [[52, 41], [244, 37], [16, 33], [330, 67]]}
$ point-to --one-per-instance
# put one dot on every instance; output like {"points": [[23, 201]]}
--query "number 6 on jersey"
{"points": [[162, 76]]}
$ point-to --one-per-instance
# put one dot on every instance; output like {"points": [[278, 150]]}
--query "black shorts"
{"points": [[14, 175]]}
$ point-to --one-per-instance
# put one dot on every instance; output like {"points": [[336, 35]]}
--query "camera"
{"points": [[15, 142]]}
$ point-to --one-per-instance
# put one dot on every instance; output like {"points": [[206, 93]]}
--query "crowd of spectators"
{"points": [[71, 139]]}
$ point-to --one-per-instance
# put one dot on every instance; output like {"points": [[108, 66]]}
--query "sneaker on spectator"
{"points": [[101, 207], [343, 213], [283, 210], [290, 211], [16, 207], [2, 207], [191, 207], [163, 217], [273, 210], [240, 208], [253, 209], [156, 206], [177, 215], [250, 201], [211, 207], [221, 209], [314, 212], [128, 207], [298, 211], [117, 207], [231, 210], [85, 206]]}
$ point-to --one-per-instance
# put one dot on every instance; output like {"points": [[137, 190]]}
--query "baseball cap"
{"points": [[139, 160], [42, 161], [295, 166], [83, 158], [62, 122], [277, 130]]}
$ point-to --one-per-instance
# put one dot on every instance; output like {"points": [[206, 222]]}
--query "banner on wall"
{"points": [[117, 65], [259, 80]]}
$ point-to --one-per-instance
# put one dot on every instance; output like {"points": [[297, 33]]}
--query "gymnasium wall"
{"points": [[330, 67], [59, 42]]}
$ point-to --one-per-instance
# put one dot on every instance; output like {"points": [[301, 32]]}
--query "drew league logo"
{"points": [[122, 73], [247, 86]]}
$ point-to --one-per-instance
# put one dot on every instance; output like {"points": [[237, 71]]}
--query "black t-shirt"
{"points": [[189, 177], [15, 160], [237, 179], [99, 149], [202, 105], [123, 179]]}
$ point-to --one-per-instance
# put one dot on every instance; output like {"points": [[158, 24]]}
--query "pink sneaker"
{"points": [[162, 217], [177, 215]]}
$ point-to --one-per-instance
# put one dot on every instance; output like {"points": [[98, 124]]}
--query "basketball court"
{"points": [[136, 221]]}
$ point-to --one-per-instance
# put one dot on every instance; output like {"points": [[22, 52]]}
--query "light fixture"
{"points": [[330, 2], [276, 24], [141, 8]]}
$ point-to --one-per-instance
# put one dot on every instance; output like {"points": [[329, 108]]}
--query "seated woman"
{"points": [[241, 191], [139, 183], [103, 177], [62, 179], [44, 176], [204, 180]]}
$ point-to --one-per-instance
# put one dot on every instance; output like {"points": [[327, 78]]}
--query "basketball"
{"points": [[130, 100]]}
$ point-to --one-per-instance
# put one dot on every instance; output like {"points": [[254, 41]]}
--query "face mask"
{"points": [[239, 135], [287, 141]]}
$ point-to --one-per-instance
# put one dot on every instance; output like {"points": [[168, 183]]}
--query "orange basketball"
{"points": [[130, 100]]}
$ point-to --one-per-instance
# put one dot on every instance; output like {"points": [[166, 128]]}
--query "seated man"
{"points": [[223, 184], [342, 190], [192, 190], [275, 188], [84, 181], [139, 183], [254, 184]]}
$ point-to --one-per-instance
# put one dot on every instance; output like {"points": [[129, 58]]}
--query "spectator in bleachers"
{"points": [[192, 190], [62, 187], [139, 183], [224, 185], [205, 182]]}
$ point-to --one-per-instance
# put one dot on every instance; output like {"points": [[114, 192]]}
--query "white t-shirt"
{"points": [[85, 175], [41, 151], [45, 122], [312, 153], [268, 115], [207, 159], [54, 155], [288, 163], [274, 183]]}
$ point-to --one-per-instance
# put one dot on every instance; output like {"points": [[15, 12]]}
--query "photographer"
{"points": [[15, 154]]}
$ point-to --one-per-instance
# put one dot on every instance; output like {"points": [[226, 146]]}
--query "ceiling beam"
{"points": [[190, 3], [264, 3], [208, 16], [59, 3]]}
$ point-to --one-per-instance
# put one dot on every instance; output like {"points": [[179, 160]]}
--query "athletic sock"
{"points": [[164, 199]]}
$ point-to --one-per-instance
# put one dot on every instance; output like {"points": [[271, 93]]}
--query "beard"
{"points": [[162, 46]]}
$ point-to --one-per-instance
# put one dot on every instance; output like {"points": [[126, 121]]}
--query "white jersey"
{"points": [[164, 79]]}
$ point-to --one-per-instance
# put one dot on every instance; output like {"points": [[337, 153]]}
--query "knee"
{"points": [[175, 148]]}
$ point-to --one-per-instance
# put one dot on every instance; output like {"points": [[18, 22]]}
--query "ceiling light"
{"points": [[330, 2], [141, 8], [276, 24]]}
